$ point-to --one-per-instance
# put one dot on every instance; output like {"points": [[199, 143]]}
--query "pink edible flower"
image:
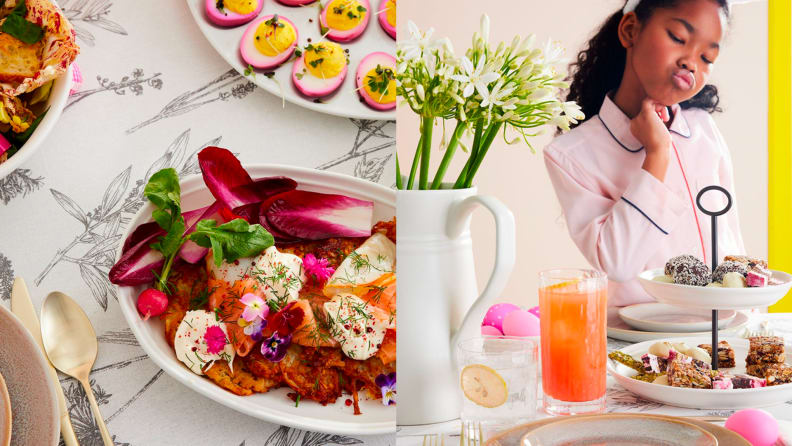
{"points": [[317, 268], [215, 339], [255, 307]]}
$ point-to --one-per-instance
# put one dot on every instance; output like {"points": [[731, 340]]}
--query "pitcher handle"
{"points": [[505, 249]]}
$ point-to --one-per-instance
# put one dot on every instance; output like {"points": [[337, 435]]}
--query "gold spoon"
{"points": [[71, 345]]}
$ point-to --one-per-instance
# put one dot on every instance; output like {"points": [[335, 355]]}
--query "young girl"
{"points": [[627, 177]]}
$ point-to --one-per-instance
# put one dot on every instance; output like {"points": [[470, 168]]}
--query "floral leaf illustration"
{"points": [[111, 26], [97, 282], [371, 169], [18, 182], [114, 193], [108, 244], [6, 277], [70, 207], [175, 150], [319, 439], [283, 436]]}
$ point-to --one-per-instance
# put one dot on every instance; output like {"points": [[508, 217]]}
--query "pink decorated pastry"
{"points": [[496, 313]]}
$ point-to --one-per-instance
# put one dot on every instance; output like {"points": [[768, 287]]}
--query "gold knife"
{"points": [[22, 307]]}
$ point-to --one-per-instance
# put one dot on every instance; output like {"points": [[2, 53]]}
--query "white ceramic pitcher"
{"points": [[437, 296]]}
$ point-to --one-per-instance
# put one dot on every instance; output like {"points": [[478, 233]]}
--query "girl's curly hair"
{"points": [[599, 68]]}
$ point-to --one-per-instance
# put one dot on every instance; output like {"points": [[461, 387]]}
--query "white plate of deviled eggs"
{"points": [[333, 56]]}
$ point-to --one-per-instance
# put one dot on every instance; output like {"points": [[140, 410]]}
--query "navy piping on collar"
{"points": [[642, 213], [641, 148]]}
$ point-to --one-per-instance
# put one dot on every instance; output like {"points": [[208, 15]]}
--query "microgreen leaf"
{"points": [[16, 26], [233, 240]]}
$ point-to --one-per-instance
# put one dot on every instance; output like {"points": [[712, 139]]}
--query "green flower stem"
{"points": [[492, 131], [449, 154], [460, 182], [399, 183], [414, 167], [426, 138]]}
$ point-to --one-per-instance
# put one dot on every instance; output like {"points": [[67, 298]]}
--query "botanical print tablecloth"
{"points": [[154, 94], [622, 400]]}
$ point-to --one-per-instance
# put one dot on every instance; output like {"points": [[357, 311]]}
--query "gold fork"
{"points": [[434, 440], [471, 435]]}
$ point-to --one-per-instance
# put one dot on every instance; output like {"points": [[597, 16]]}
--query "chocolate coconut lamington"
{"points": [[674, 261], [725, 354], [729, 266], [691, 271]]}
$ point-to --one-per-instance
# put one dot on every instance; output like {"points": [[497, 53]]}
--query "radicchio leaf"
{"points": [[315, 216]]}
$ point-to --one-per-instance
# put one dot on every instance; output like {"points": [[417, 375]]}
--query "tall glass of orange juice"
{"points": [[573, 309]]}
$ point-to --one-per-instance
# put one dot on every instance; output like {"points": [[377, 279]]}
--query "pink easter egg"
{"points": [[489, 330], [496, 313], [534, 311], [757, 426], [521, 323]]}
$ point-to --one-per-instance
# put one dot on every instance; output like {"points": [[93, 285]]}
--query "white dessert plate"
{"points": [[710, 298], [700, 398], [618, 329], [618, 430], [274, 406], [344, 102], [660, 317]]}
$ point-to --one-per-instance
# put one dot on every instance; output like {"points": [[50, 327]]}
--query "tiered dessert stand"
{"points": [[712, 298]]}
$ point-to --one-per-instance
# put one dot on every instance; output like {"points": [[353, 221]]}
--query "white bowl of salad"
{"points": [[17, 148], [37, 49]]}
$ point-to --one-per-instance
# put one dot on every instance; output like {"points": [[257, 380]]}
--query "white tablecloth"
{"points": [[621, 400], [155, 93]]}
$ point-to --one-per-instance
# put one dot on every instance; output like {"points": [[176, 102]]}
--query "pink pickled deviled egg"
{"points": [[387, 16], [344, 20], [232, 12], [296, 2], [376, 82], [268, 42], [320, 70]]}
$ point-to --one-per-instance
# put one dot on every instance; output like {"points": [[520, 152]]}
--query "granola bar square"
{"points": [[725, 354], [766, 346], [687, 374], [777, 374], [757, 370]]}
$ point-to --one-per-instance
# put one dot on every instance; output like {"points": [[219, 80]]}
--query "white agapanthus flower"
{"points": [[475, 78], [418, 43]]}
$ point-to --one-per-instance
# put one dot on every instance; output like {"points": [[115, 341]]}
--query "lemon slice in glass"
{"points": [[483, 385], [564, 284]]}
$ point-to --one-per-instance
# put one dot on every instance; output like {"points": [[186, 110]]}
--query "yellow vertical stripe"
{"points": [[779, 198]]}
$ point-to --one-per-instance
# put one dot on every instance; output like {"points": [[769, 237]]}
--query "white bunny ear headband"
{"points": [[632, 4]]}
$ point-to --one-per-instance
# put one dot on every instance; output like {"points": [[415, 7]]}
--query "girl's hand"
{"points": [[649, 129]]}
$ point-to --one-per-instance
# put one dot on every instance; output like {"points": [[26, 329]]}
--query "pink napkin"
{"points": [[77, 79]]}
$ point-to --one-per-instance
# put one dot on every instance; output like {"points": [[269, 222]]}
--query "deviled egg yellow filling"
{"points": [[241, 6], [344, 15], [274, 36], [380, 84], [325, 59], [390, 12]]}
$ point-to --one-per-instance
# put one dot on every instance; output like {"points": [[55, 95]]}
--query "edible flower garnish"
{"points": [[215, 339], [275, 347], [288, 318], [255, 307], [254, 329], [317, 268], [387, 385]]}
